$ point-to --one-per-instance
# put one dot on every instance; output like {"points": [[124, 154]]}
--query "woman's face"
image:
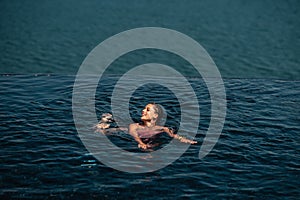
{"points": [[149, 113]]}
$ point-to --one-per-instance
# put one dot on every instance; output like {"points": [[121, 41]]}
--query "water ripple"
{"points": [[256, 155]]}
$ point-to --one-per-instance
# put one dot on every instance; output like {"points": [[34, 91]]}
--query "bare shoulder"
{"points": [[133, 126], [163, 128]]}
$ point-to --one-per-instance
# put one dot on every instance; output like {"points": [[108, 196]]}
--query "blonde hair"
{"points": [[160, 111]]}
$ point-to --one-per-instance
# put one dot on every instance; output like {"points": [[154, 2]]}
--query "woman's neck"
{"points": [[149, 124]]}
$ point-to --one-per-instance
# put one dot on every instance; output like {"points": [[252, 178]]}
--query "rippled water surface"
{"points": [[42, 156], [255, 46]]}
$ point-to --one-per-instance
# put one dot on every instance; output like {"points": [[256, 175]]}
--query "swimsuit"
{"points": [[147, 133]]}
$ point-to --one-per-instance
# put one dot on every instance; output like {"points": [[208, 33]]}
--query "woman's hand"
{"points": [[142, 146], [184, 140]]}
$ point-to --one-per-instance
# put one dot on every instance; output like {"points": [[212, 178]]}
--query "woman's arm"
{"points": [[132, 131], [178, 137], [107, 131]]}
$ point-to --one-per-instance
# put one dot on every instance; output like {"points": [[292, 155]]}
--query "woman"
{"points": [[148, 128], [151, 114]]}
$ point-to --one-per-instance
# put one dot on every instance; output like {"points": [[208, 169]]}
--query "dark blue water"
{"points": [[42, 156], [255, 45], [257, 39]]}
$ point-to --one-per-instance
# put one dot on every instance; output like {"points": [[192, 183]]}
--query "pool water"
{"points": [[42, 156]]}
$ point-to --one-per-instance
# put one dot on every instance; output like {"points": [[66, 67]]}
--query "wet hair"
{"points": [[159, 110]]}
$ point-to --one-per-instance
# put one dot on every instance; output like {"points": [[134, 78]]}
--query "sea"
{"points": [[255, 46]]}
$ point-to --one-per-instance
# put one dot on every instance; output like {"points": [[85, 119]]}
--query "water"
{"points": [[257, 155], [257, 39], [255, 46]]}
